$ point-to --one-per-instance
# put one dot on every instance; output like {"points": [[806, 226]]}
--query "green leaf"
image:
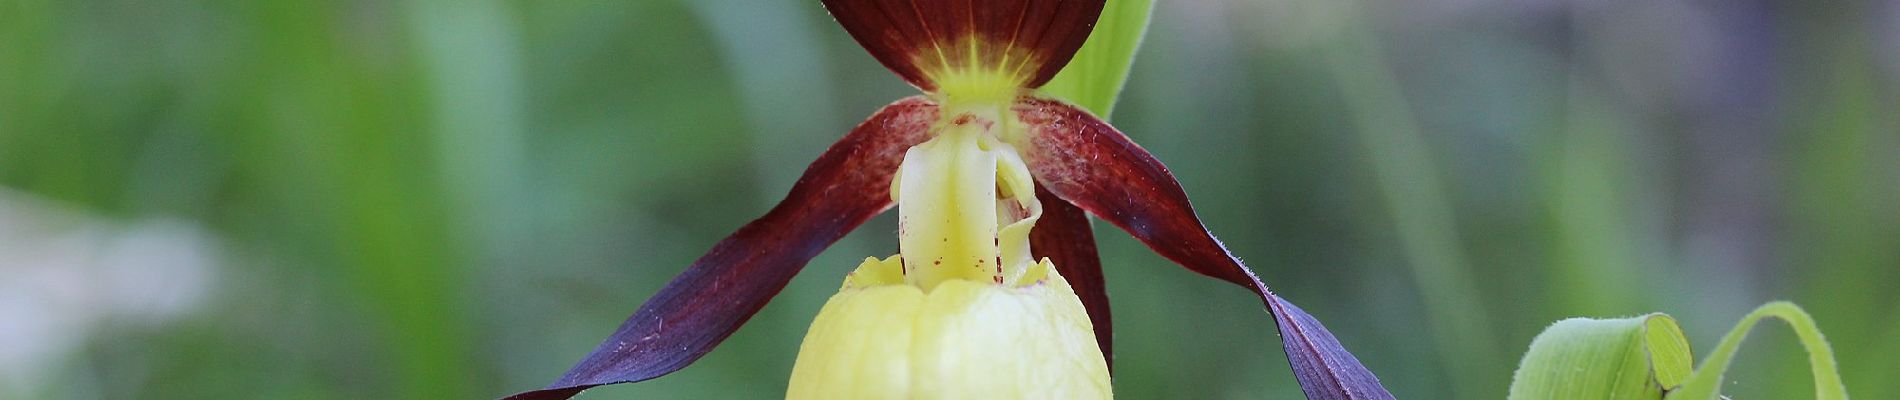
{"points": [[1094, 78], [1581, 358], [1646, 357], [1706, 382], [1669, 356]]}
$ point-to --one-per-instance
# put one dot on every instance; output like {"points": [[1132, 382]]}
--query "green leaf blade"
{"points": [[1669, 356], [1094, 78], [1582, 358]]}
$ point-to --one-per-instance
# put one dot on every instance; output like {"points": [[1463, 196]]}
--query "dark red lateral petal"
{"points": [[916, 38], [1325, 369], [1065, 237], [1083, 160], [847, 185]]}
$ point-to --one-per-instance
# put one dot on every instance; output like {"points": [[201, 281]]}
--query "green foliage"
{"points": [[1582, 358], [1707, 381], [1095, 77], [1647, 357]]}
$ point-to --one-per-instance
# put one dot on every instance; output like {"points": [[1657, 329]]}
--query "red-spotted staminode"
{"points": [[997, 289]]}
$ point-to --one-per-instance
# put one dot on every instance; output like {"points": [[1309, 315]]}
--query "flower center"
{"points": [[975, 86], [974, 71], [966, 204]]}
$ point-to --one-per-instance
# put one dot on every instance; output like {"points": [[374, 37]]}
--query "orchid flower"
{"points": [[997, 290]]}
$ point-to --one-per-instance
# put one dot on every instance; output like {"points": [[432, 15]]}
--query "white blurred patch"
{"points": [[64, 274]]}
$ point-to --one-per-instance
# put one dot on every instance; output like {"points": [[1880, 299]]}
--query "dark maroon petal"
{"points": [[1324, 367], [1083, 160], [1064, 236], [915, 38], [849, 184]]}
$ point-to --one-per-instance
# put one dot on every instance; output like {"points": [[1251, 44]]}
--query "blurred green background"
{"points": [[457, 199]]}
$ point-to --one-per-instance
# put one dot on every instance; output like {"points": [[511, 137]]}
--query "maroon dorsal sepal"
{"points": [[920, 39]]}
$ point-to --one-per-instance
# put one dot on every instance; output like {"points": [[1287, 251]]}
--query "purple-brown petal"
{"points": [[1065, 237], [916, 38], [1082, 159], [1325, 369], [849, 184]]}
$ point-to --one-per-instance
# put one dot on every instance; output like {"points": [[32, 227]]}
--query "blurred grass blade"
{"points": [[1706, 382], [1094, 78], [1415, 193], [1582, 358]]}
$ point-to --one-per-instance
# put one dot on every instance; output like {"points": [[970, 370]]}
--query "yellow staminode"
{"points": [[965, 204]]}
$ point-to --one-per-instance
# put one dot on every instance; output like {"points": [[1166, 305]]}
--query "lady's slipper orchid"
{"points": [[997, 290]]}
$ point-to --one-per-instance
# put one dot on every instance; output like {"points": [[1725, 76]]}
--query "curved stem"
{"points": [[1706, 382]]}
